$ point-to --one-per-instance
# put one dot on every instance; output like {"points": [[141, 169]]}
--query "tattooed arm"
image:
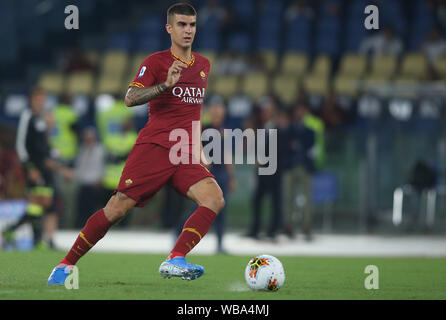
{"points": [[136, 96]]}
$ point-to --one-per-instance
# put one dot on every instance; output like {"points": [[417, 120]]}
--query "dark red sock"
{"points": [[194, 230], [95, 229]]}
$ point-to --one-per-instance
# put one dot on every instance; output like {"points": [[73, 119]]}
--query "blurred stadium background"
{"points": [[381, 113]]}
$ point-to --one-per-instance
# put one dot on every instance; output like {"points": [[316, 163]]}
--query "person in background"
{"points": [[63, 125], [422, 179], [224, 173], [299, 140], [267, 184], [75, 61], [231, 63], [298, 9], [316, 124], [89, 172], [33, 148], [64, 132], [117, 131], [12, 179], [383, 43], [434, 46], [332, 113], [212, 10]]}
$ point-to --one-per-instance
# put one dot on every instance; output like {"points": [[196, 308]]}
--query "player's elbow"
{"points": [[128, 102]]}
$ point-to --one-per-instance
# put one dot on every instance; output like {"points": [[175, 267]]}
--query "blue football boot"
{"points": [[179, 267], [59, 275]]}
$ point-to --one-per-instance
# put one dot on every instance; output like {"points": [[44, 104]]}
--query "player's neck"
{"points": [[183, 54]]}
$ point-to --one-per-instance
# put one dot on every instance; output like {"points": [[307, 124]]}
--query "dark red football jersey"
{"points": [[177, 107]]}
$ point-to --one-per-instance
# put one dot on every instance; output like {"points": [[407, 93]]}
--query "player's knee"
{"points": [[117, 207], [216, 203], [221, 203], [114, 213]]}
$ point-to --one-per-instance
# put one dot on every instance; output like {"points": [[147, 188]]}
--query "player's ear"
{"points": [[168, 28]]}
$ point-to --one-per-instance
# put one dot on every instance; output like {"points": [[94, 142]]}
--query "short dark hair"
{"points": [[180, 8]]}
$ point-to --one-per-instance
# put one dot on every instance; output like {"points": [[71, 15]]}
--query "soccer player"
{"points": [[174, 81]]}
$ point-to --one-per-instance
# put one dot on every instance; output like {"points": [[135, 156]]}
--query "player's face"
{"points": [[182, 30]]}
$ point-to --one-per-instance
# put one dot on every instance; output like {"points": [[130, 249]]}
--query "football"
{"points": [[265, 272]]}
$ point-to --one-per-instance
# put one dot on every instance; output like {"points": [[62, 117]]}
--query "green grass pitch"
{"points": [[23, 275]]}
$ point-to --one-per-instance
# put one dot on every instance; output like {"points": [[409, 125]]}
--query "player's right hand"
{"points": [[174, 73]]}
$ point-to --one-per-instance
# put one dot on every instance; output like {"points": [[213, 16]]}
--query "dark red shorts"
{"points": [[148, 169]]}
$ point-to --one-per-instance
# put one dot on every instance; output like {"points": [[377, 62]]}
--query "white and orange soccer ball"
{"points": [[265, 272]]}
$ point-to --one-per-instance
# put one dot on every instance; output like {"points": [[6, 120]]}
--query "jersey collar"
{"points": [[189, 64]]}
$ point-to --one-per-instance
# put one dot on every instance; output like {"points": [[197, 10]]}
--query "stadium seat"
{"points": [[114, 63], [226, 86], [131, 72], [346, 86], [270, 60], [80, 82], [111, 85], [317, 81], [315, 84], [353, 65], [383, 68], [322, 66], [440, 67], [375, 80], [254, 85], [352, 68], [294, 63], [52, 82], [285, 86], [325, 191], [126, 81], [136, 62], [413, 66], [92, 56]]}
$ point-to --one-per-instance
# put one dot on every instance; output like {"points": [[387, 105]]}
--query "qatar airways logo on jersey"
{"points": [[189, 94]]}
